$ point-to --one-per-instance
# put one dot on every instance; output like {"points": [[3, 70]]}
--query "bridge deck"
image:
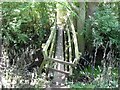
{"points": [[57, 81]]}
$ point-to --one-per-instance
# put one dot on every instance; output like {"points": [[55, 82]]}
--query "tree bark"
{"points": [[80, 26]]}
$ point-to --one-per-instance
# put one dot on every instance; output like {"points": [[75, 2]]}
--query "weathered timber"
{"points": [[48, 42], [70, 50], [60, 61], [45, 53], [51, 52], [52, 69], [70, 47], [52, 45], [77, 53], [65, 48], [59, 55]]}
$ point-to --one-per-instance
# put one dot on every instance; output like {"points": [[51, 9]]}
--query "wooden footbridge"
{"points": [[58, 53]]}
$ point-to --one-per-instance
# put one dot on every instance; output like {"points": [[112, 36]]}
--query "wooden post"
{"points": [[70, 50], [45, 48], [65, 49]]}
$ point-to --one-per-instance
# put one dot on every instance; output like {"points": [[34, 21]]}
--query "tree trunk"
{"points": [[80, 26]]}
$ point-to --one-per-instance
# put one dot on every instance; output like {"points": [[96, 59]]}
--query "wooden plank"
{"points": [[60, 61], [52, 45], [58, 67], [52, 69]]}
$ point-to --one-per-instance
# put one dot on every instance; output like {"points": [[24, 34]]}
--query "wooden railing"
{"points": [[74, 37], [46, 51], [49, 49]]}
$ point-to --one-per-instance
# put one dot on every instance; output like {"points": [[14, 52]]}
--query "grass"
{"points": [[97, 82]]}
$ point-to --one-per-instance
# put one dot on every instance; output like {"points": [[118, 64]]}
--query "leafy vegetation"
{"points": [[105, 34], [26, 26]]}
